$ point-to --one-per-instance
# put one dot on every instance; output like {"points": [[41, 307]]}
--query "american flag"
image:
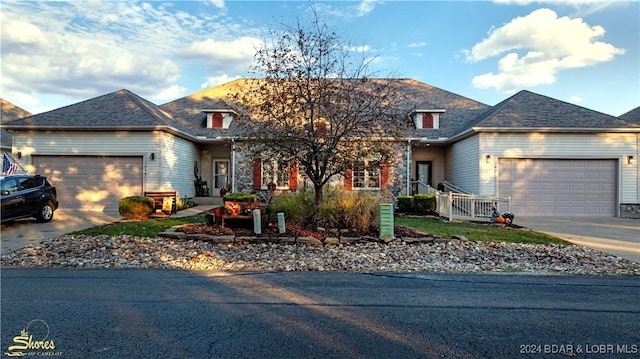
{"points": [[8, 167]]}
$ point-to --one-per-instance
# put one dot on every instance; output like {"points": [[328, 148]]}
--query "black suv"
{"points": [[27, 196]]}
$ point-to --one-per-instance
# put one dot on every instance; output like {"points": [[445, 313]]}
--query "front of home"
{"points": [[552, 158]]}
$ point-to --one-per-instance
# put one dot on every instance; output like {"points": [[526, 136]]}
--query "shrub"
{"points": [[424, 203], [297, 207], [349, 209], [136, 207], [405, 204], [239, 196]]}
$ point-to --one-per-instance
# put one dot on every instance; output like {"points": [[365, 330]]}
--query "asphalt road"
{"points": [[178, 314]]}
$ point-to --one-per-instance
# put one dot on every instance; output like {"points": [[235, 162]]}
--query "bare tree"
{"points": [[318, 104]]}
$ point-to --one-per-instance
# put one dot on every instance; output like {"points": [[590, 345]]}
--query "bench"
{"points": [[158, 198]]}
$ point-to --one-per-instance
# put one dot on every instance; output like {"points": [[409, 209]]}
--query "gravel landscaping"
{"points": [[334, 252]]}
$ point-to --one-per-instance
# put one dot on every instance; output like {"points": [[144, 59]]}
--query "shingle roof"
{"points": [[125, 110], [633, 115], [459, 109], [8, 112], [188, 110], [117, 110], [533, 111]]}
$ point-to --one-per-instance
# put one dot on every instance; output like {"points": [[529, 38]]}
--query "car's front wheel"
{"points": [[45, 214]]}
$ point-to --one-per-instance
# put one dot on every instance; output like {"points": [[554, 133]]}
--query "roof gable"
{"points": [[633, 115], [9, 112], [528, 110], [117, 110]]}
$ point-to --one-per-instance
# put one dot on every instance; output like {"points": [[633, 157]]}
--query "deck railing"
{"points": [[468, 206]]}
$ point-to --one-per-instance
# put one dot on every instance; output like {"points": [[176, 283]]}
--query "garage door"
{"points": [[91, 183], [571, 188]]}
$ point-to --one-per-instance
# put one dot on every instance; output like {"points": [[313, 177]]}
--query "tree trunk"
{"points": [[318, 195]]}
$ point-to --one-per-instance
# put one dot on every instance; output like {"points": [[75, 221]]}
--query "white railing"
{"points": [[468, 206], [450, 187]]}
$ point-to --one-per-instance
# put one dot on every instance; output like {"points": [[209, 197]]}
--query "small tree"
{"points": [[318, 104]]}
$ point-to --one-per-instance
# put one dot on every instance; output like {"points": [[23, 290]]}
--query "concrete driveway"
{"points": [[617, 236], [18, 234]]}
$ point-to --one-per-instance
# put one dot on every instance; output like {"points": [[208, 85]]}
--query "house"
{"points": [[8, 112], [549, 156]]}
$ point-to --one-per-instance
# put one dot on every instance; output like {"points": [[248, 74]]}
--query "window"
{"points": [[366, 175], [218, 118], [9, 186], [427, 119], [284, 174], [31, 182], [275, 171]]}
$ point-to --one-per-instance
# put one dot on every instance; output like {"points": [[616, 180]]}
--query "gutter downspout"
{"points": [[233, 165], [408, 167]]}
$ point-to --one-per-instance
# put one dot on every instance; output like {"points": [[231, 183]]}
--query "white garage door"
{"points": [[91, 183], [570, 188]]}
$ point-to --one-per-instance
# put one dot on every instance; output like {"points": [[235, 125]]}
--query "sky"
{"points": [[584, 52]]}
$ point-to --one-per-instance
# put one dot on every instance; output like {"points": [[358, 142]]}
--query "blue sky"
{"points": [[579, 51]]}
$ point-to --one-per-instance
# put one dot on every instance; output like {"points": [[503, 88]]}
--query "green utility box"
{"points": [[386, 220]]}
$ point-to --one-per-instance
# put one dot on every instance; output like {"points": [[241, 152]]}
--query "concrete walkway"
{"points": [[21, 233], [617, 236]]}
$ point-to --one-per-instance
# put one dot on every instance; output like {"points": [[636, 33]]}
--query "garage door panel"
{"points": [[92, 183], [560, 187]]}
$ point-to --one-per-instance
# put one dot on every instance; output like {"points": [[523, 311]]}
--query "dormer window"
{"points": [[219, 118], [427, 119]]}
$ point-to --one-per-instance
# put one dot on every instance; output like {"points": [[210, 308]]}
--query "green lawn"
{"points": [[148, 228], [476, 231], [473, 231]]}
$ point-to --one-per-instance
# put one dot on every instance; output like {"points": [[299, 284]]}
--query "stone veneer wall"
{"points": [[630, 210], [243, 171]]}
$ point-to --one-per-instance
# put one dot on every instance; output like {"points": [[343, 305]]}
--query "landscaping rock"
{"points": [[309, 241]]}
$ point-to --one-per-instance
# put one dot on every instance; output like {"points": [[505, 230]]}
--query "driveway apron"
{"points": [[617, 236]]}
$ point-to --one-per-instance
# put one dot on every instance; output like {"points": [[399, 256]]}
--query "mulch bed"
{"points": [[293, 230]]}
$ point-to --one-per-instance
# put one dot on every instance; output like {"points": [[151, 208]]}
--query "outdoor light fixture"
{"points": [[153, 156], [630, 160], [487, 158], [19, 155]]}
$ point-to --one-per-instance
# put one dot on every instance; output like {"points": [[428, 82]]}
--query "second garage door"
{"points": [[570, 188], [92, 183]]}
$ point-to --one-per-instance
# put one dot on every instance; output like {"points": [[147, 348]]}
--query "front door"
{"points": [[220, 176], [423, 176]]}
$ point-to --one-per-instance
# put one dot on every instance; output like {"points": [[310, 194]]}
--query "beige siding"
{"points": [[98, 143], [562, 146], [178, 157], [463, 160]]}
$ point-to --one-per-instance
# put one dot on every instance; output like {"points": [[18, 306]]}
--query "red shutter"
{"points": [[348, 179], [216, 120], [427, 120], [384, 174], [257, 174], [293, 177]]}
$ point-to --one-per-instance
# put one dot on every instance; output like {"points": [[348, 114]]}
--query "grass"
{"points": [[476, 231], [147, 228], [473, 231]]}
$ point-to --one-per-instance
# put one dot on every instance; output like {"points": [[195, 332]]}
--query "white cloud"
{"points": [[536, 47], [217, 3], [218, 80], [234, 55], [366, 6], [575, 99], [417, 44], [84, 49]]}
